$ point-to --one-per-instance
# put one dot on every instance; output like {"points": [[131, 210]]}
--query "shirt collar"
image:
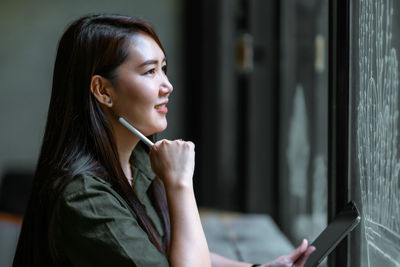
{"points": [[142, 173]]}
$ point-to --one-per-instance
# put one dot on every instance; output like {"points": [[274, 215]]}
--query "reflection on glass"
{"points": [[377, 133]]}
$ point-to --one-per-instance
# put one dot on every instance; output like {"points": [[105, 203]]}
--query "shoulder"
{"points": [[91, 193], [83, 183]]}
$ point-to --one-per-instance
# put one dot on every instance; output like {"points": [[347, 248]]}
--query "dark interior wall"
{"points": [[211, 95], [233, 121], [263, 109]]}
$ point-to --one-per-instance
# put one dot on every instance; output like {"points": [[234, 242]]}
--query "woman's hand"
{"points": [[173, 162], [296, 259]]}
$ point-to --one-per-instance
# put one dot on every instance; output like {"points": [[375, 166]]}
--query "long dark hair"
{"points": [[92, 45]]}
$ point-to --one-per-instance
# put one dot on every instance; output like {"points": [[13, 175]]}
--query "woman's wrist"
{"points": [[178, 184]]}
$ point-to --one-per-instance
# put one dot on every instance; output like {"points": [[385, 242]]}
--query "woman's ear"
{"points": [[102, 90]]}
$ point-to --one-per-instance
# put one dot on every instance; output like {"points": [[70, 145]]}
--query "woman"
{"points": [[95, 200]]}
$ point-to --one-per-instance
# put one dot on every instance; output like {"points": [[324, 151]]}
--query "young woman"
{"points": [[100, 197]]}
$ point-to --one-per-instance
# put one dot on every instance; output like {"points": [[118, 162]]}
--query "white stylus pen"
{"points": [[136, 132]]}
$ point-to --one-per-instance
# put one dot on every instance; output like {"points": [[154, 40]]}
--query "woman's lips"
{"points": [[161, 108]]}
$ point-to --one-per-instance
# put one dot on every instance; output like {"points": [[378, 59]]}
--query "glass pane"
{"points": [[375, 160], [304, 118]]}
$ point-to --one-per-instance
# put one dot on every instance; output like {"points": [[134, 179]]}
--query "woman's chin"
{"points": [[161, 129], [157, 129]]}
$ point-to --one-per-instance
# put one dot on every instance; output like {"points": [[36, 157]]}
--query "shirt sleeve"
{"points": [[98, 229]]}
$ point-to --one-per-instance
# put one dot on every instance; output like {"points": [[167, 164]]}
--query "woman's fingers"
{"points": [[173, 161], [303, 259], [301, 254], [297, 253], [297, 258]]}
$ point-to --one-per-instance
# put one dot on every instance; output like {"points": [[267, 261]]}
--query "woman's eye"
{"points": [[164, 69], [152, 71]]}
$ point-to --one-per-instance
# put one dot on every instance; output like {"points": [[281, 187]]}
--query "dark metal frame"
{"points": [[338, 144]]}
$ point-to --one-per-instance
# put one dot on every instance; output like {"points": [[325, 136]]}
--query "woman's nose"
{"points": [[166, 87]]}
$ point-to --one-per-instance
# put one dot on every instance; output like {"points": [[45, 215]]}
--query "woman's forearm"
{"points": [[188, 242], [219, 261], [173, 162]]}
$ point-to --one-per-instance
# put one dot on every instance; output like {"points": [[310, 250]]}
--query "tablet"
{"points": [[345, 221]]}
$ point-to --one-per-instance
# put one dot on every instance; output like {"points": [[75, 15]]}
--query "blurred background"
{"points": [[250, 89]]}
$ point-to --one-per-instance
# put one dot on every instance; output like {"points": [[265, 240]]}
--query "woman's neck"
{"points": [[126, 142]]}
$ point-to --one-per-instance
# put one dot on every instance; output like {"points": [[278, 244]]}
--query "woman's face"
{"points": [[142, 87]]}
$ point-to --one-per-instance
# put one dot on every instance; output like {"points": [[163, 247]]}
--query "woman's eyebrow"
{"points": [[152, 61]]}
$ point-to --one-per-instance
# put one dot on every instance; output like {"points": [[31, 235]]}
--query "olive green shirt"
{"points": [[98, 228]]}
